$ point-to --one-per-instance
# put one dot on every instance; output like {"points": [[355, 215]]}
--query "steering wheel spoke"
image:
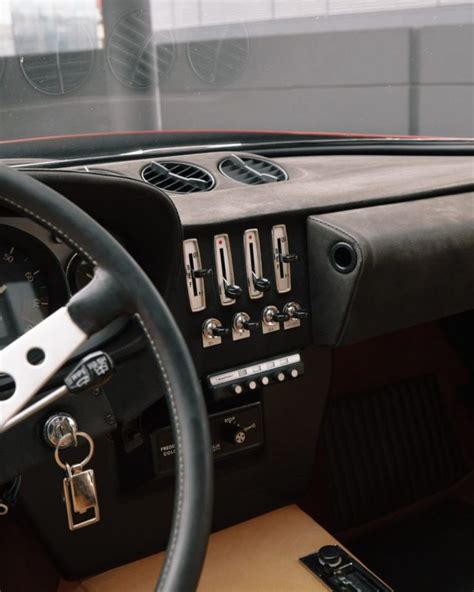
{"points": [[32, 359]]}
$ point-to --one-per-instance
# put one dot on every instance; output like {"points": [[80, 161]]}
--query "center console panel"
{"points": [[244, 292]]}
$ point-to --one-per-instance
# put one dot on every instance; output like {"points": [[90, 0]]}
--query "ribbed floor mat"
{"points": [[432, 552], [386, 449]]}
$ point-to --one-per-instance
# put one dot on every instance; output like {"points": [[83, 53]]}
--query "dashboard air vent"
{"points": [[179, 177], [252, 170]]}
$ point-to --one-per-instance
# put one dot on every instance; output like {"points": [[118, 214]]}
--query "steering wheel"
{"points": [[120, 287]]}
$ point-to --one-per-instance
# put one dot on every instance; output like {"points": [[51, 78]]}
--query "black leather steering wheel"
{"points": [[120, 287]]}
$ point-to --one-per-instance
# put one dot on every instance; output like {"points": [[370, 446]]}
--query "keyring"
{"points": [[85, 461]]}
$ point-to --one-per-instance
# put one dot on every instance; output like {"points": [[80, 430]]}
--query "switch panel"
{"points": [[224, 269], [281, 254], [194, 275]]}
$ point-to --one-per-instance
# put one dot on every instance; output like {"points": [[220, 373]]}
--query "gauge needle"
{"points": [[3, 289]]}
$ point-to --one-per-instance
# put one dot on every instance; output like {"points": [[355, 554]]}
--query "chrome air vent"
{"points": [[252, 170], [60, 71], [136, 55], [179, 177], [220, 60]]}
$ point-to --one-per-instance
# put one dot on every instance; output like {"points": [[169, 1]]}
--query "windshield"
{"points": [[389, 67]]}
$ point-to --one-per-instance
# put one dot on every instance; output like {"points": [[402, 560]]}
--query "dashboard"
{"points": [[267, 264]]}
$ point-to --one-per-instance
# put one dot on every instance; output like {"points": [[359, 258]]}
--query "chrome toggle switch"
{"points": [[295, 315], [212, 332], [271, 319], [242, 326]]}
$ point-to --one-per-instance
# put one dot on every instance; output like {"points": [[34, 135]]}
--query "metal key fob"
{"points": [[80, 491], [80, 495]]}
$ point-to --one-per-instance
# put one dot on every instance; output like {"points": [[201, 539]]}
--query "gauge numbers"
{"points": [[24, 297]]}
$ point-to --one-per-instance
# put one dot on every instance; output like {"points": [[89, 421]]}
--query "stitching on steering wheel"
{"points": [[50, 225], [179, 504]]}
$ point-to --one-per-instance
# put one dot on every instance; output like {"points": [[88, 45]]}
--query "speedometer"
{"points": [[28, 274], [24, 298]]}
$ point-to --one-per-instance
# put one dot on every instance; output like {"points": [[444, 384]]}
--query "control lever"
{"points": [[289, 258], [242, 323], [294, 311], [300, 314], [92, 371], [201, 273], [232, 290], [220, 331], [271, 317], [280, 317], [261, 284], [263, 177]]}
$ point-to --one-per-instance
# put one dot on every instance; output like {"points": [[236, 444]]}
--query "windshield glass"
{"points": [[389, 67]]}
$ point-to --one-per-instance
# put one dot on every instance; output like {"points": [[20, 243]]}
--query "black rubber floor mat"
{"points": [[433, 552], [387, 448]]}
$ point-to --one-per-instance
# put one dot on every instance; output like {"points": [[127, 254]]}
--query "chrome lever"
{"points": [[266, 177], [193, 181]]}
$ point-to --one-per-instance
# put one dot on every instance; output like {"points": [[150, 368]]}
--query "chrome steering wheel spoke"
{"points": [[53, 341]]}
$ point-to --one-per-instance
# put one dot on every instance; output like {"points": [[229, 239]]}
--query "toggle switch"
{"points": [[212, 332], [271, 319], [220, 331], [295, 314], [242, 325]]}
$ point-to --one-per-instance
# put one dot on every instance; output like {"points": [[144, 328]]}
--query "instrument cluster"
{"points": [[38, 274]]}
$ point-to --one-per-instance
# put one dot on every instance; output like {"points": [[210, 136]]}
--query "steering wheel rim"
{"points": [[121, 287]]}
